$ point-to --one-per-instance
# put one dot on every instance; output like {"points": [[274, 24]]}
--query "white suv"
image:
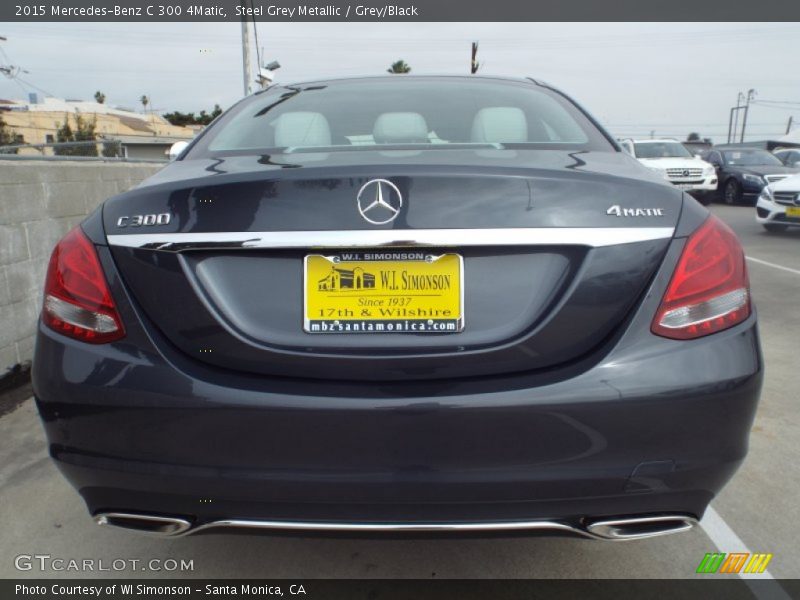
{"points": [[778, 206], [676, 164]]}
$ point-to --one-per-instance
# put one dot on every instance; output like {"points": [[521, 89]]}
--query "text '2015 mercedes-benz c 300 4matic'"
{"points": [[400, 304]]}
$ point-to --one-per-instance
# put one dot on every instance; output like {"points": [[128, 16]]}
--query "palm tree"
{"points": [[145, 101], [399, 67]]}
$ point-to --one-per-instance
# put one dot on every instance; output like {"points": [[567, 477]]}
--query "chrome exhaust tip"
{"points": [[162, 526], [638, 528]]}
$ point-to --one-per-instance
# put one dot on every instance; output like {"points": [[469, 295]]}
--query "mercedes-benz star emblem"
{"points": [[379, 201], [686, 172]]}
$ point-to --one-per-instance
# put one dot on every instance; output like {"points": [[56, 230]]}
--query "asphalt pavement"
{"points": [[757, 512]]}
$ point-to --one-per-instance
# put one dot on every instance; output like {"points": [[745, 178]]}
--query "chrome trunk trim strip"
{"points": [[540, 236]]}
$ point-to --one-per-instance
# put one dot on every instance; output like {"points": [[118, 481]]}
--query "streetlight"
{"points": [[266, 74]]}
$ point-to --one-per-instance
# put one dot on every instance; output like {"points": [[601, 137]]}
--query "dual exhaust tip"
{"points": [[630, 528]]}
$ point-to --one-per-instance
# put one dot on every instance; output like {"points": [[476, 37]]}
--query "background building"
{"points": [[140, 135]]}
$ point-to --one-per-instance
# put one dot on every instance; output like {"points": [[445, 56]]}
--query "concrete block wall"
{"points": [[40, 201]]}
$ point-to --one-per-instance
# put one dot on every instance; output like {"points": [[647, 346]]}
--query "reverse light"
{"points": [[709, 290], [77, 301]]}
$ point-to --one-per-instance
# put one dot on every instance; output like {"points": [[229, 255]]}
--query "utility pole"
{"points": [[733, 124], [751, 94], [474, 65], [246, 57], [730, 123], [789, 125]]}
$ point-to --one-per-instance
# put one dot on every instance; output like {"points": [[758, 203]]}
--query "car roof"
{"points": [[395, 77], [742, 148], [656, 141]]}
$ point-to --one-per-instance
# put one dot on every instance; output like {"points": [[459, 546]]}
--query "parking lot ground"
{"points": [[41, 514], [760, 503]]}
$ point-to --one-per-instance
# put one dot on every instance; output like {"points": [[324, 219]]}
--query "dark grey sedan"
{"points": [[400, 304]]}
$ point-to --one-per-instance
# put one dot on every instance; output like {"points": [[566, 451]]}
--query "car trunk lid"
{"points": [[553, 258]]}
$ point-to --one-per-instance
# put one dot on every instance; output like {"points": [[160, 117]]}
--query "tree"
{"points": [[83, 132], [399, 67], [8, 137], [693, 137], [99, 97], [145, 101], [205, 119], [183, 119], [112, 149]]}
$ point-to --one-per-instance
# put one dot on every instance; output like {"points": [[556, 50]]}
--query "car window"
{"points": [[661, 150], [750, 158], [377, 114]]}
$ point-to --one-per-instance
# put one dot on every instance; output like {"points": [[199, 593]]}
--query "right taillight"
{"points": [[709, 290]]}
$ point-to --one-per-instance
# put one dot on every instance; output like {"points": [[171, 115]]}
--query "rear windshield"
{"points": [[661, 150], [750, 158], [401, 112]]}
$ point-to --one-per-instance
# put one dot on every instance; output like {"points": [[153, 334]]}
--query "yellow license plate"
{"points": [[793, 211], [383, 292]]}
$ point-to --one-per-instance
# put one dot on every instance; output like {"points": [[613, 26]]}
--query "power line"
{"points": [[29, 84], [780, 101]]}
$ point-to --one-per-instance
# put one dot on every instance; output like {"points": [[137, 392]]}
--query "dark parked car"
{"points": [[400, 304], [743, 172]]}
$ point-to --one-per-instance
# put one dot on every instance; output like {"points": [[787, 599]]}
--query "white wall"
{"points": [[40, 201]]}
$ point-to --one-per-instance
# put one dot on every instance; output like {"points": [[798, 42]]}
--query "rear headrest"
{"points": [[302, 129], [400, 128], [500, 124]]}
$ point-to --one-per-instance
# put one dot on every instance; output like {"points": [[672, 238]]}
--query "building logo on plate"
{"points": [[379, 201]]}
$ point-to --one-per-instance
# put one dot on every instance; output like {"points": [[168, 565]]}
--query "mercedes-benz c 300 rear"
{"points": [[400, 303]]}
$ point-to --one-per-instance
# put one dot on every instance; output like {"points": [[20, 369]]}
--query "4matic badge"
{"points": [[618, 211]]}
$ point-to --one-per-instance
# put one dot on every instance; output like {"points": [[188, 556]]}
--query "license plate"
{"points": [[383, 292], [684, 186], [793, 211]]}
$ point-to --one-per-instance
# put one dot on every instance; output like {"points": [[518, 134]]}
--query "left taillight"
{"points": [[77, 301]]}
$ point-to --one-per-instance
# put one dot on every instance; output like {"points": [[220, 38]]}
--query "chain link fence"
{"points": [[98, 149]]}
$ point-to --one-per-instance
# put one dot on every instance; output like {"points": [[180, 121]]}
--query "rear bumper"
{"points": [[655, 428]]}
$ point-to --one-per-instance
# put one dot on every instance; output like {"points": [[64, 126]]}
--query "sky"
{"points": [[636, 78]]}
